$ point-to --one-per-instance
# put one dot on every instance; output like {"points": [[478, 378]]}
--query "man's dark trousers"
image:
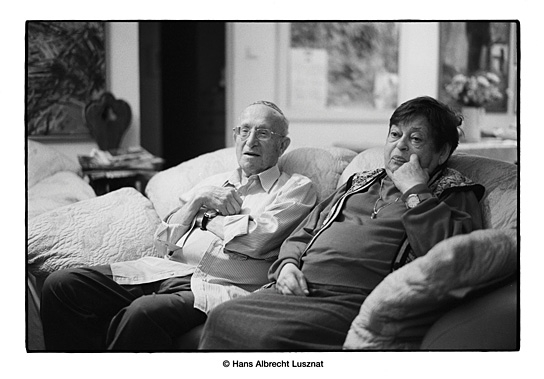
{"points": [[84, 309]]}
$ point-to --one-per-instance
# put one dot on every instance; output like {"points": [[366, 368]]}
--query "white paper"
{"points": [[309, 82]]}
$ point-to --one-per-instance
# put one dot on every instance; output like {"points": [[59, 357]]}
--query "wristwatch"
{"points": [[208, 215], [413, 200]]}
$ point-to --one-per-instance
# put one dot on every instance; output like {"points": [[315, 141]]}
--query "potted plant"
{"points": [[472, 93]]}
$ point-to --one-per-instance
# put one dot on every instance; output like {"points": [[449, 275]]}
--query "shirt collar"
{"points": [[267, 178]]}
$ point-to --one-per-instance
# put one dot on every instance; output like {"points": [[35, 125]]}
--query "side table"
{"points": [[110, 170], [106, 180]]}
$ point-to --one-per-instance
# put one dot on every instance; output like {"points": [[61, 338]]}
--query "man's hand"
{"points": [[291, 281], [410, 174], [224, 199]]}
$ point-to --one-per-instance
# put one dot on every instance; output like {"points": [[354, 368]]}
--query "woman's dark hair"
{"points": [[443, 121]]}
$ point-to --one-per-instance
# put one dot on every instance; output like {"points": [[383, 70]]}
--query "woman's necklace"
{"points": [[376, 210]]}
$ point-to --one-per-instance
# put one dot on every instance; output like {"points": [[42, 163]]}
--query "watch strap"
{"points": [[204, 222], [424, 196], [208, 215]]}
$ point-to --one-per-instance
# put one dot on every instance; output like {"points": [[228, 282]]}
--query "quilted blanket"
{"points": [[115, 227], [400, 310]]}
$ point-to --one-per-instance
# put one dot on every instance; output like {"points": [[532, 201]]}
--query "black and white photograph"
{"points": [[245, 193]]}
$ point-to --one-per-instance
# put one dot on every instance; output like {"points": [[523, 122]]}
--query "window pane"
{"points": [[472, 47], [344, 65]]}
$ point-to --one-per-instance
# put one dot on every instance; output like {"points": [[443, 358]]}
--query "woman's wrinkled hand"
{"points": [[291, 281], [410, 174]]}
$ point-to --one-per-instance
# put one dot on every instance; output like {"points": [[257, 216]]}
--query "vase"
{"points": [[473, 123]]}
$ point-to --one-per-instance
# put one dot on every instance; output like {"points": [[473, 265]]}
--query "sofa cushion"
{"points": [[322, 165], [400, 310], [115, 227], [57, 190], [44, 161], [367, 160], [164, 188], [500, 179]]}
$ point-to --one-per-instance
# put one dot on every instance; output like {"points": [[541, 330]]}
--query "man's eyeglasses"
{"points": [[261, 134]]}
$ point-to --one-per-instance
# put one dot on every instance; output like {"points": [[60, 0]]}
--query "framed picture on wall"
{"points": [[66, 69]]}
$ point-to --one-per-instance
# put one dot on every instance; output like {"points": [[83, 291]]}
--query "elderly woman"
{"points": [[374, 223]]}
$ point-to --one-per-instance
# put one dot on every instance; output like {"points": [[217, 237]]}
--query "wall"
{"points": [[250, 68], [122, 76], [123, 72]]}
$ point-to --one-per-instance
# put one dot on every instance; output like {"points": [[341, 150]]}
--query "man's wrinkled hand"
{"points": [[291, 281], [225, 200]]}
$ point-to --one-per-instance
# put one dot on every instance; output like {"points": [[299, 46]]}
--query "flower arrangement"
{"points": [[476, 90]]}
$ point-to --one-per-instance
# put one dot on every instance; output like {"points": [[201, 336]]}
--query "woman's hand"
{"points": [[410, 174], [291, 281]]}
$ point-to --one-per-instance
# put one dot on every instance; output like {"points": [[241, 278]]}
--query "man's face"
{"points": [[255, 156], [412, 138]]}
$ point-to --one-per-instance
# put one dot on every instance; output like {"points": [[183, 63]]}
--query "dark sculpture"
{"points": [[108, 119]]}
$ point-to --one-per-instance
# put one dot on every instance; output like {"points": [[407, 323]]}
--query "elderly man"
{"points": [[351, 241], [217, 245]]}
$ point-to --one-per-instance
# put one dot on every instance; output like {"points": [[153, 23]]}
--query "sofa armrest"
{"points": [[486, 322], [402, 308]]}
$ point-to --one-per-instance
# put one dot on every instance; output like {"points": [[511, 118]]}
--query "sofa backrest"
{"points": [[500, 201], [322, 165]]}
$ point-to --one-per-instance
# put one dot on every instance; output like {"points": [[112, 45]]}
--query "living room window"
{"points": [[343, 66], [355, 72], [358, 72], [344, 71]]}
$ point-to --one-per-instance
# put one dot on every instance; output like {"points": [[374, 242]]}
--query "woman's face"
{"points": [[413, 137]]}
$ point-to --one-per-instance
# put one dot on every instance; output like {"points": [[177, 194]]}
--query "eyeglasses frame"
{"points": [[237, 133]]}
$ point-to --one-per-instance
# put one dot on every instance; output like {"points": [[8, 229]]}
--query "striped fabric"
{"points": [[274, 203]]}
